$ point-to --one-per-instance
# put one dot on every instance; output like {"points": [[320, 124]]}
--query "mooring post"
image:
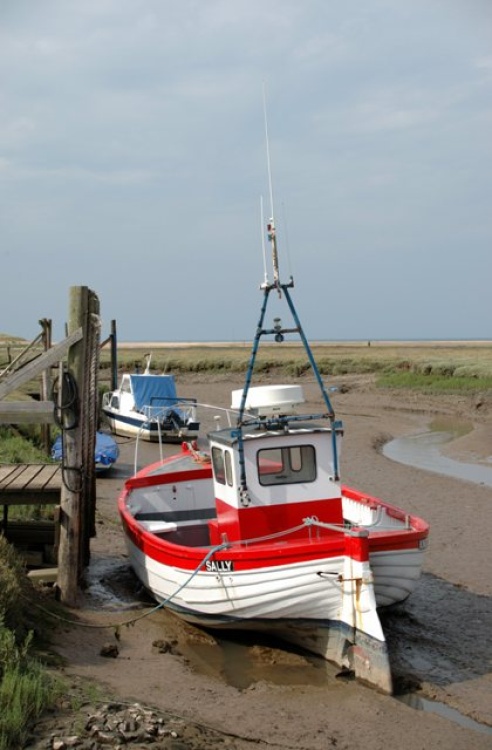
{"points": [[114, 357], [78, 386], [46, 383]]}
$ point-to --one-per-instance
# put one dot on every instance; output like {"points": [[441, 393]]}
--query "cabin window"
{"points": [[228, 468], [115, 402], [222, 464], [287, 465], [218, 465]]}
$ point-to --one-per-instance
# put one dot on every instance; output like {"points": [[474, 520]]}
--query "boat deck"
{"points": [[179, 463]]}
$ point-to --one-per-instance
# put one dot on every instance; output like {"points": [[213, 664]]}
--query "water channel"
{"points": [[423, 450]]}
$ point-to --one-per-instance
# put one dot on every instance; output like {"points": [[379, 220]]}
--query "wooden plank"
{"points": [[54, 481], [30, 533], [44, 575], [27, 412], [30, 484], [9, 473], [48, 478], [36, 367], [26, 497], [32, 478], [18, 475]]}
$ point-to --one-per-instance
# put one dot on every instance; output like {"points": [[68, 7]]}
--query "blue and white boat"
{"points": [[146, 406]]}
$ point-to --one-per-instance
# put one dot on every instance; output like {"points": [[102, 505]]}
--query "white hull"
{"points": [[292, 592], [134, 427], [396, 575], [147, 407], [332, 614]]}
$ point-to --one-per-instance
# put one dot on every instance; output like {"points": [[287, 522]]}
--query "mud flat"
{"points": [[439, 640]]}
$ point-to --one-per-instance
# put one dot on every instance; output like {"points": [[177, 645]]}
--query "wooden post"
{"points": [[114, 357], [46, 383], [78, 448], [91, 420]]}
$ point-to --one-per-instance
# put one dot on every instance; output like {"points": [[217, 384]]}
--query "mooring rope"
{"points": [[133, 620], [307, 523]]}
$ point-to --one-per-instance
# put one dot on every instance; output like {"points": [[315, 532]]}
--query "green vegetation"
{"points": [[435, 384], [26, 689], [436, 366], [439, 366], [16, 448]]}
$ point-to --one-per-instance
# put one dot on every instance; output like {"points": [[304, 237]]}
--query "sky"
{"points": [[133, 161]]}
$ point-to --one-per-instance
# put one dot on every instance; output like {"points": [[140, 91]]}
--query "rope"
{"points": [[66, 412], [307, 522], [133, 620], [89, 427], [65, 397]]}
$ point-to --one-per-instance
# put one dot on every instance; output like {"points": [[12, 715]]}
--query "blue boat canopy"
{"points": [[153, 390]]}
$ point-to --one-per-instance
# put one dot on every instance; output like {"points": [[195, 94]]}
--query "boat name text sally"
{"points": [[219, 566]]}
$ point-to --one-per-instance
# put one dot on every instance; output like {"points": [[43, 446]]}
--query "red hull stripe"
{"points": [[287, 551], [261, 555]]}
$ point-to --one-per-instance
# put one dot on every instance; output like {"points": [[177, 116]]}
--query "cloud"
{"points": [[132, 155]]}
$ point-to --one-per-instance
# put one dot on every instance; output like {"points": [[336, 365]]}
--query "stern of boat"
{"points": [[364, 651]]}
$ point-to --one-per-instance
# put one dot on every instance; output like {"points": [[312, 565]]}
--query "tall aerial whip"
{"points": [[271, 224]]}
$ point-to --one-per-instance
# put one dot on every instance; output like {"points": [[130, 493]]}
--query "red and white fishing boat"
{"points": [[259, 532]]}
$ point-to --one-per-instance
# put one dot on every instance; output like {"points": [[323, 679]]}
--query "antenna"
{"points": [[269, 166], [262, 221], [271, 224]]}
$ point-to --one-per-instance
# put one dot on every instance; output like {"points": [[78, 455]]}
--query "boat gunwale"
{"points": [[280, 552]]}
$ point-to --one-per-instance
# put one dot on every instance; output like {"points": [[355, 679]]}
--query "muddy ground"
{"points": [[256, 694]]}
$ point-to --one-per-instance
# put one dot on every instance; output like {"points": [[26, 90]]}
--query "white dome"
{"points": [[270, 400]]}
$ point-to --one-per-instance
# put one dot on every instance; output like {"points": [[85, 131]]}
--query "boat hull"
{"points": [[325, 604], [314, 581], [135, 427]]}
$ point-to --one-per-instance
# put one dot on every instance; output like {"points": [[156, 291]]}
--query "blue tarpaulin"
{"points": [[153, 390], [106, 451]]}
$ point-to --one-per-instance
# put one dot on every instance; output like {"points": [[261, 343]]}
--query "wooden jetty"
{"points": [[74, 409], [30, 484]]}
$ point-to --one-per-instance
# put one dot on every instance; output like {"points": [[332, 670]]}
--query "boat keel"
{"points": [[368, 659]]}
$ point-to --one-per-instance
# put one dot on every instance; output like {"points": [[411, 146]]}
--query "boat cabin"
{"points": [[144, 392], [271, 474]]}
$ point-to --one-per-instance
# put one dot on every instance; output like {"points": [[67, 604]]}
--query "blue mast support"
{"points": [[260, 331], [249, 374], [256, 342], [312, 362], [278, 332]]}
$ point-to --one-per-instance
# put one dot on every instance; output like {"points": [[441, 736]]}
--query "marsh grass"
{"points": [[18, 448], [437, 366], [26, 688], [446, 366], [434, 383]]}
